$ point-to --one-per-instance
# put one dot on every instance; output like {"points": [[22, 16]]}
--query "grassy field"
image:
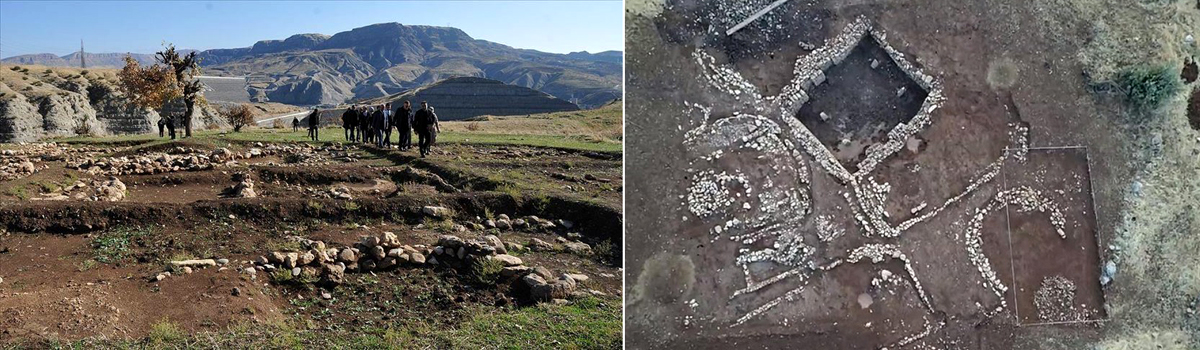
{"points": [[336, 135], [600, 125]]}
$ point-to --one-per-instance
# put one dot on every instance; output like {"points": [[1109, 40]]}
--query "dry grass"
{"points": [[601, 125], [1158, 267]]}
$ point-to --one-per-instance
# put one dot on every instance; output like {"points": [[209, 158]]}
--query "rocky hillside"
{"points": [[40, 102], [466, 97], [388, 58]]}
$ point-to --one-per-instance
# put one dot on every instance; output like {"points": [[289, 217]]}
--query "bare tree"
{"points": [[238, 115]]}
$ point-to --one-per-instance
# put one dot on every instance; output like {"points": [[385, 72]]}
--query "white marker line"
{"points": [[755, 16]]}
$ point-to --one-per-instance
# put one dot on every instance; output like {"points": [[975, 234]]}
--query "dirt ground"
{"points": [[75, 269], [1001, 69]]}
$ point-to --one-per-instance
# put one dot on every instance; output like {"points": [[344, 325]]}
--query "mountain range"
{"points": [[384, 59]]}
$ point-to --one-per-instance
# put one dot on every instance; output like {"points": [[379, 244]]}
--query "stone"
{"points": [[490, 223], [496, 243], [513, 247], [333, 273], [519, 223], [377, 252], [307, 258], [502, 217], [462, 252], [222, 261], [366, 265], [578, 248], [326, 295], [396, 253], [291, 259], [503, 224], [578, 277], [187, 270], [277, 257], [416, 258], [540, 245], [567, 224], [507, 260], [514, 271], [450, 241], [237, 291], [544, 272], [347, 255], [194, 263], [432, 261], [250, 271], [387, 262], [162, 276], [390, 240], [369, 241], [435, 211], [296, 271]]}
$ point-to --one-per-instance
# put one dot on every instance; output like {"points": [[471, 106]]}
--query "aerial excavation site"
{"points": [[913, 174]]}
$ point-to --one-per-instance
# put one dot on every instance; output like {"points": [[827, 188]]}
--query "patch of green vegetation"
{"points": [[485, 272], [607, 251], [350, 206], [165, 332], [116, 245], [1146, 87], [86, 265], [19, 192], [285, 277], [315, 205], [440, 225]]}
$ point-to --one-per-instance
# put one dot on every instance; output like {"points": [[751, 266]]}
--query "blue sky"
{"points": [[142, 26]]}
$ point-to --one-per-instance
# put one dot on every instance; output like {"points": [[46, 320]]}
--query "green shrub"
{"points": [[1146, 87], [486, 272]]}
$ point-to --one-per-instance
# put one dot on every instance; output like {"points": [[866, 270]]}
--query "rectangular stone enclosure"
{"points": [[1061, 174]]}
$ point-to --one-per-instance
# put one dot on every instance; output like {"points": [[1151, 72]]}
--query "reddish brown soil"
{"points": [[1037, 250], [49, 293], [53, 288]]}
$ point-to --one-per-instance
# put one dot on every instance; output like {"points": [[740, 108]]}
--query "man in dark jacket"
{"points": [[162, 127], [349, 123], [364, 124], [425, 122], [295, 124], [378, 123], [170, 122], [314, 122], [403, 119]]}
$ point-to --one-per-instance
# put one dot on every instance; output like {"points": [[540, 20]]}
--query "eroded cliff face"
{"points": [[40, 102], [19, 120]]}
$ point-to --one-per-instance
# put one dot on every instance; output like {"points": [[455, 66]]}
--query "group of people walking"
{"points": [[374, 124]]}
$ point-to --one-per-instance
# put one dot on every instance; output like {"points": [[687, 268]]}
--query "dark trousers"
{"points": [[312, 132], [387, 137], [425, 141], [161, 130], [171, 130], [349, 134], [404, 139]]}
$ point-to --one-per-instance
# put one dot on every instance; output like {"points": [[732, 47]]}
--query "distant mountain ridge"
{"points": [[387, 58], [106, 60]]}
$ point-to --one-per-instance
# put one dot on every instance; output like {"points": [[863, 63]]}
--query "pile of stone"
{"points": [[12, 168], [379, 253], [329, 265], [1055, 300], [529, 223], [109, 190], [189, 266], [179, 159], [244, 187], [306, 154]]}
